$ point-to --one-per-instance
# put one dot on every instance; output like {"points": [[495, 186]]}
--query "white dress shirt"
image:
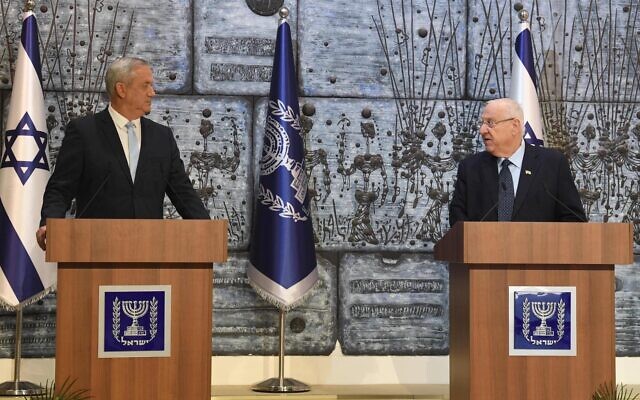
{"points": [[515, 167], [120, 121]]}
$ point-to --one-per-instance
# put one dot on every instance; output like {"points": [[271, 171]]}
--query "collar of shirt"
{"points": [[516, 158], [120, 121]]}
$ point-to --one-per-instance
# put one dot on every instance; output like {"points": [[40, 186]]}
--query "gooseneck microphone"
{"points": [[566, 207], [95, 194], [493, 207], [503, 186]]}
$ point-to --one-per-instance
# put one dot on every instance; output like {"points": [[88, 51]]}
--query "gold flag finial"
{"points": [[284, 13], [523, 15], [29, 5]]}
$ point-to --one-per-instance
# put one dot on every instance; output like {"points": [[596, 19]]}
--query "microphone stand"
{"points": [[18, 387]]}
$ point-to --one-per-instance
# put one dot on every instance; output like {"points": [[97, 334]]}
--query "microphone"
{"points": [[104, 182], [493, 207], [566, 207]]}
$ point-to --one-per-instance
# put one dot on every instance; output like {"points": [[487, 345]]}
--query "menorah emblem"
{"points": [[135, 310], [543, 310]]}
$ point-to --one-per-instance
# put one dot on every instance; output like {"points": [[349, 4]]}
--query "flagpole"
{"points": [[281, 384], [18, 354], [524, 82], [17, 387], [283, 266], [281, 355], [25, 267]]}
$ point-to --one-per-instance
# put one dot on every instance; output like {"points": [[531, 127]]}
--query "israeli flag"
{"points": [[24, 172], [524, 84], [283, 255]]}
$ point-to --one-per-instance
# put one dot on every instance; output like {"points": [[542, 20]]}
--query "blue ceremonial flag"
{"points": [[524, 84], [283, 255], [24, 172]]}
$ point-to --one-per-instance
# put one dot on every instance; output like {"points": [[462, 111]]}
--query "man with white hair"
{"points": [[510, 180], [117, 163]]}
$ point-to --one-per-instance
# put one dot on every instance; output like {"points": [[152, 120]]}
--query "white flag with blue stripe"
{"points": [[24, 172], [524, 84]]}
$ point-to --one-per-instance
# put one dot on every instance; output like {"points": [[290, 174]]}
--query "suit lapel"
{"points": [[144, 147], [528, 174], [489, 177], [108, 128]]}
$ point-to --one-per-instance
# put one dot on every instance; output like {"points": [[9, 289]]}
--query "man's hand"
{"points": [[41, 236]]}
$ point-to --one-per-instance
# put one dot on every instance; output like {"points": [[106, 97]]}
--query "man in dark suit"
{"points": [[534, 185], [118, 164]]}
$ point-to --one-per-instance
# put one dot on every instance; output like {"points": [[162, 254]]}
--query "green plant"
{"points": [[617, 392], [66, 392]]}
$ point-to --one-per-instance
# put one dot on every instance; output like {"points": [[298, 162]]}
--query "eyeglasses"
{"points": [[493, 124]]}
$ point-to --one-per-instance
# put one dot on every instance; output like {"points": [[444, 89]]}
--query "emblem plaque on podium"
{"points": [[134, 321], [542, 321]]}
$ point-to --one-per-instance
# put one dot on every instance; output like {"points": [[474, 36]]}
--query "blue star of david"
{"points": [[24, 168], [530, 136]]}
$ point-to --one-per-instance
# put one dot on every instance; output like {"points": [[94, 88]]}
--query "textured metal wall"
{"points": [[390, 90]]}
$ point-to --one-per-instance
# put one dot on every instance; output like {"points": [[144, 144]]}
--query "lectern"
{"points": [[487, 261], [122, 258]]}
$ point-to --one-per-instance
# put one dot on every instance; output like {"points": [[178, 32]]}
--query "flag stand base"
{"points": [[274, 385], [16, 387], [20, 388], [281, 384]]}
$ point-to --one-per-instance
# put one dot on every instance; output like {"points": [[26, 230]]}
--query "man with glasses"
{"points": [[511, 180]]}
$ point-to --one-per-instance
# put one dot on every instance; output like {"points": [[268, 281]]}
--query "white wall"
{"points": [[335, 369]]}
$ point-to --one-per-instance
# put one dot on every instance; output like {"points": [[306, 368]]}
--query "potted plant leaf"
{"points": [[614, 392], [65, 392]]}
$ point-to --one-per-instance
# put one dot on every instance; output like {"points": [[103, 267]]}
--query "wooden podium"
{"points": [[486, 258], [93, 253]]}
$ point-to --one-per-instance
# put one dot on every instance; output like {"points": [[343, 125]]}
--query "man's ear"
{"points": [[517, 121], [121, 89], [517, 124]]}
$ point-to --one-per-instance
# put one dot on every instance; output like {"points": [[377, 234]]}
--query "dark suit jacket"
{"points": [[544, 175], [92, 156]]}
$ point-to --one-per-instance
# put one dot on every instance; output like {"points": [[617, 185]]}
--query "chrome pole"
{"points": [[17, 387], [18, 355], [281, 384], [281, 355]]}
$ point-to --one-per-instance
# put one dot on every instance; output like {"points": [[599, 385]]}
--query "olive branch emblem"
{"points": [[115, 319], [153, 318], [275, 203], [525, 318], [285, 112]]}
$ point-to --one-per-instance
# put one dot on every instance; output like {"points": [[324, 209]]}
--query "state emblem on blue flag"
{"points": [[283, 262], [542, 321]]}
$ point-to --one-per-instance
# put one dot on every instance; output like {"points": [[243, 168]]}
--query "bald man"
{"points": [[510, 180]]}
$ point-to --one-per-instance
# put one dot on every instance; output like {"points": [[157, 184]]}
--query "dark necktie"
{"points": [[505, 192]]}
